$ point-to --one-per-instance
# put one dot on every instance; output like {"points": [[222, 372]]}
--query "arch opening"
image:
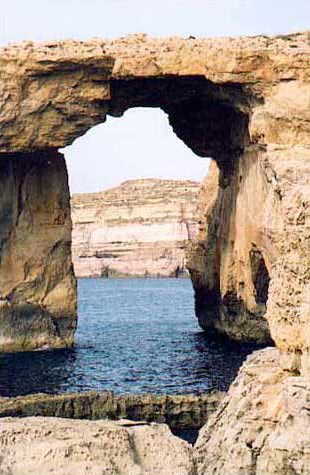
{"points": [[139, 223], [140, 144]]}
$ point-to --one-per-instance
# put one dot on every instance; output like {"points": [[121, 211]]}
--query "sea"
{"points": [[134, 336]]}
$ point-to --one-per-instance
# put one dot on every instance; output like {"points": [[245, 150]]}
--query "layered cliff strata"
{"points": [[141, 228], [245, 103]]}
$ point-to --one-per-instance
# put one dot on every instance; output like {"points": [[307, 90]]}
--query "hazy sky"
{"points": [[141, 143]]}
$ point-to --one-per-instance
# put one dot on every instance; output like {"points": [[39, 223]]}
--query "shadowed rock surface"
{"points": [[179, 412], [140, 228], [37, 285]]}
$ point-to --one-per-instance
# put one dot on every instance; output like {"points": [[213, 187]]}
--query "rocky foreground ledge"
{"points": [[61, 441], [261, 427], [41, 446]]}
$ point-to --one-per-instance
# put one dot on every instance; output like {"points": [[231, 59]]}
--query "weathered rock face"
{"points": [[37, 285], [231, 260], [38, 445], [262, 425], [245, 103], [140, 228]]}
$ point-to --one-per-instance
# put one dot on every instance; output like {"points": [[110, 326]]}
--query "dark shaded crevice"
{"points": [[260, 276], [190, 435], [207, 299]]}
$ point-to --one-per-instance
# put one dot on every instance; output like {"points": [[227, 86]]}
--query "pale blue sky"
{"points": [[141, 143]]}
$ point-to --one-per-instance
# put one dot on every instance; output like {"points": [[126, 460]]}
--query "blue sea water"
{"points": [[134, 336]]}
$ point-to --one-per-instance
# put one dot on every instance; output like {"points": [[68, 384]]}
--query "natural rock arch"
{"points": [[244, 102]]}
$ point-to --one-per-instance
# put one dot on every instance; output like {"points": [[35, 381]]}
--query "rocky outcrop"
{"points": [[37, 285], [177, 411], [245, 103], [138, 229], [37, 446], [262, 425]]}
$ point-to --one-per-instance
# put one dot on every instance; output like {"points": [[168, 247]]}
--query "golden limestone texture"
{"points": [[261, 426], [140, 228], [243, 102], [37, 286], [48, 445]]}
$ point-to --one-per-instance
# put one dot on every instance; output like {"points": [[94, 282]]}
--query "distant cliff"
{"points": [[140, 228]]}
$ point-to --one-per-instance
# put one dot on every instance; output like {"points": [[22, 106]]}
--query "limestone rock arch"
{"points": [[243, 102]]}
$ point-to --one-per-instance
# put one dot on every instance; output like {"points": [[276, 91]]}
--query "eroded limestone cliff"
{"points": [[140, 228], [231, 259]]}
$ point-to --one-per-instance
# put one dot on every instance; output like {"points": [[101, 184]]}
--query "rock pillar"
{"points": [[37, 284]]}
